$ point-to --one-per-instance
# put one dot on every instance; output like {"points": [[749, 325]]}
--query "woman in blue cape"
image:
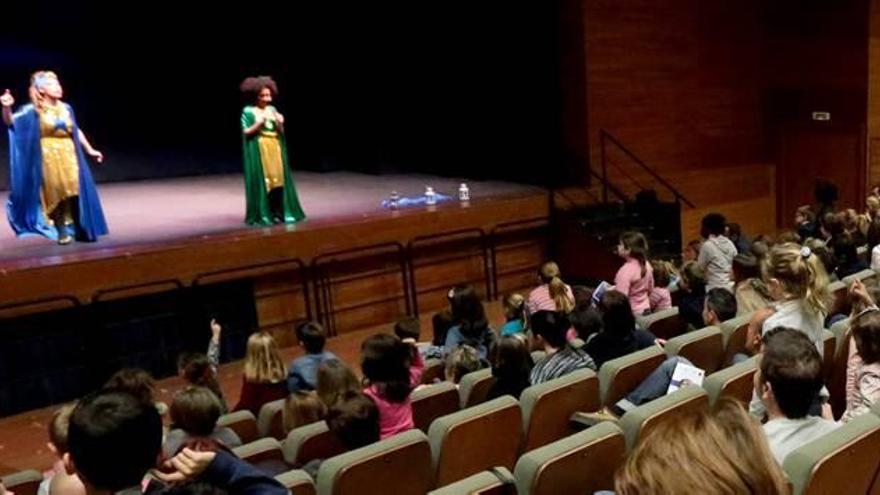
{"points": [[51, 191]]}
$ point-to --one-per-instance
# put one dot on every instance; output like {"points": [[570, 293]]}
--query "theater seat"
{"points": [[434, 371], [297, 481], [266, 454], [243, 423], [620, 376], [309, 442], [581, 463], [399, 465], [547, 407], [734, 381], [865, 276], [638, 422], [704, 348], [733, 333], [475, 439], [432, 401], [496, 481], [474, 387], [843, 461], [23, 482], [664, 324], [270, 422]]}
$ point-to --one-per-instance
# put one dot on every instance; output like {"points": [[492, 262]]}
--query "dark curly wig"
{"points": [[252, 86]]}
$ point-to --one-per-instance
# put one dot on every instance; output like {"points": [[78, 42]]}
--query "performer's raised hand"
{"points": [[279, 118], [260, 119], [6, 99]]}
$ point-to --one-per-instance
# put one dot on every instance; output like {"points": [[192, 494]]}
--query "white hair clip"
{"points": [[806, 252]]}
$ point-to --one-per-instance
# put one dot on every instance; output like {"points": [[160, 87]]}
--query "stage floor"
{"points": [[161, 211]]}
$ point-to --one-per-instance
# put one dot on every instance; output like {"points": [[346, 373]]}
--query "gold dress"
{"points": [[60, 165], [270, 154]]}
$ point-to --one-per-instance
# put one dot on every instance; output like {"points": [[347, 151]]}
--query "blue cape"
{"points": [[24, 210]]}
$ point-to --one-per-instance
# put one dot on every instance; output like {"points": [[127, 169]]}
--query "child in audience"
{"points": [[138, 383], [303, 373], [115, 438], [734, 233], [461, 361], [201, 369], [302, 408], [788, 381], [691, 251], [863, 365], [587, 323], [264, 375], [549, 329], [194, 413], [805, 222], [471, 326], [830, 226], [619, 335], [514, 314], [635, 279], [693, 291], [720, 306], [717, 252], [553, 294], [354, 420], [408, 328], [511, 366], [874, 244], [751, 292], [660, 296], [846, 257], [58, 480], [797, 283], [709, 451], [852, 228], [392, 369], [335, 380]]}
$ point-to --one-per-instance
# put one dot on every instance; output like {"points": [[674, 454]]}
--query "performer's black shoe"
{"points": [[64, 237]]}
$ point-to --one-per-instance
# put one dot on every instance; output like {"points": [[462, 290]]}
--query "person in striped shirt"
{"points": [[549, 329]]}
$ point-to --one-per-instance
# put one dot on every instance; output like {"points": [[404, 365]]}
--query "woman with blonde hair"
{"points": [[553, 294], [721, 451], [264, 374], [51, 190]]}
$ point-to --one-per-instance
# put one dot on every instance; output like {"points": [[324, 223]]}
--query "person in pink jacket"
{"points": [[635, 278], [392, 368]]}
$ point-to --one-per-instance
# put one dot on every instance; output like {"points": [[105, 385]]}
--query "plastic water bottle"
{"points": [[394, 200], [464, 194], [430, 196]]}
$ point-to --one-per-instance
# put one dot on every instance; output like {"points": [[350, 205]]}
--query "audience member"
{"points": [[553, 294], [139, 383], [354, 421], [549, 329], [263, 380], [471, 325], [717, 252], [693, 292], [194, 413], [720, 306], [863, 365], [302, 408], [58, 480], [660, 297], [303, 372], [392, 369], [511, 366], [335, 380], [635, 279], [514, 314], [619, 334], [462, 360]]}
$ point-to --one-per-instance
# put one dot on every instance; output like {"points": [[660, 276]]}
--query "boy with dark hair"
{"points": [[354, 421], [303, 372], [788, 382], [115, 438], [408, 328], [549, 329], [720, 306]]}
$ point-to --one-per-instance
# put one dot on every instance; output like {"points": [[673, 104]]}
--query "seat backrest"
{"points": [[638, 422], [432, 401], [23, 482], [704, 348], [733, 332], [399, 465], [474, 387], [664, 324], [475, 439], [829, 345], [863, 275], [840, 298], [497, 481], [310, 442], [620, 376], [843, 461], [837, 382], [297, 481], [581, 463], [434, 371], [270, 422], [734, 381], [265, 453], [243, 423], [546, 407]]}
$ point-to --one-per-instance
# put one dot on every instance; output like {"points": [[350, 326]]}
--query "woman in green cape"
{"points": [[269, 189]]}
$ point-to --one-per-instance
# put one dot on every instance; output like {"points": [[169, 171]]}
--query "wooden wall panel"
{"points": [[873, 121]]}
